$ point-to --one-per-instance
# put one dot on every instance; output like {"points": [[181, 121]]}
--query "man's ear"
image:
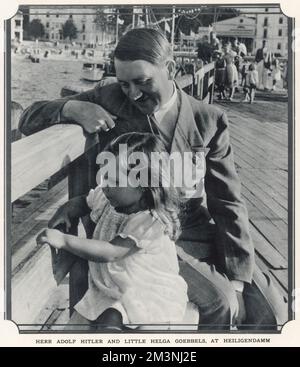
{"points": [[171, 67]]}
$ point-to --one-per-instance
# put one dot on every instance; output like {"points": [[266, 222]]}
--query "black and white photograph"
{"points": [[149, 170]]}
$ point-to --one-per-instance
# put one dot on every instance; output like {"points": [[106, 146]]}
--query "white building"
{"points": [[92, 26], [242, 27], [273, 28], [17, 27], [254, 26]]}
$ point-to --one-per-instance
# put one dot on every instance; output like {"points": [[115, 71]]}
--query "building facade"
{"points": [[242, 27], [254, 26], [17, 27], [94, 27], [273, 28]]}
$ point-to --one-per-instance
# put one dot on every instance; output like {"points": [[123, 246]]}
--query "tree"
{"points": [[36, 29], [69, 30]]}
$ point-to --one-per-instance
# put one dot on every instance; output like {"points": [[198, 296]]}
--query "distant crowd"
{"points": [[234, 70]]}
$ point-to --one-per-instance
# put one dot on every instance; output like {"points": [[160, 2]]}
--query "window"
{"points": [[280, 32], [71, 16], [17, 23], [47, 25], [83, 27], [57, 15], [47, 15], [280, 20], [241, 20], [279, 46], [52, 36], [17, 35], [265, 22], [83, 37], [265, 33], [266, 10], [47, 36]]}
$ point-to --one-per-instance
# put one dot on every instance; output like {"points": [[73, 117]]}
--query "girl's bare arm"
{"points": [[92, 250]]}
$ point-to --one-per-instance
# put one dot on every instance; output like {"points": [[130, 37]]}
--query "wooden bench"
{"points": [[34, 159]]}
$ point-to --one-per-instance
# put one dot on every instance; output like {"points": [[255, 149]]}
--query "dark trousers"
{"points": [[216, 298]]}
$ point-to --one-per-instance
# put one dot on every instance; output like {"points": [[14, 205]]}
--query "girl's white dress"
{"points": [[145, 286]]}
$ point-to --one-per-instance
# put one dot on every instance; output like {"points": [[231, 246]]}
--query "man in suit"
{"points": [[226, 287]]}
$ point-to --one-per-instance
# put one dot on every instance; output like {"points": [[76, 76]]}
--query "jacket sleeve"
{"points": [[234, 245], [43, 114]]}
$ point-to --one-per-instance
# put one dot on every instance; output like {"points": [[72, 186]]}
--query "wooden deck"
{"points": [[261, 156]]}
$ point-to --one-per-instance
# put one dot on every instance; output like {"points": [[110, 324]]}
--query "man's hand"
{"points": [[92, 117], [52, 237]]}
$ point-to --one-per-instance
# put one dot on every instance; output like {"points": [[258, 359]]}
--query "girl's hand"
{"points": [[52, 237]]}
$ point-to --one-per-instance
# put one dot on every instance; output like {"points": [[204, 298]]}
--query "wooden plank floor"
{"points": [[261, 157]]}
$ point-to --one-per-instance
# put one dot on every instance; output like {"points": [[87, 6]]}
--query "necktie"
{"points": [[153, 124]]}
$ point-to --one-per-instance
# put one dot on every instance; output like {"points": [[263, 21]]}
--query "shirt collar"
{"points": [[159, 115]]}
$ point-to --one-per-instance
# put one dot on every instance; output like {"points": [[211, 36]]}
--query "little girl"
{"points": [[133, 268], [251, 84]]}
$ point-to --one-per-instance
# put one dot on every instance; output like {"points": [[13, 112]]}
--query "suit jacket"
{"points": [[198, 125]]}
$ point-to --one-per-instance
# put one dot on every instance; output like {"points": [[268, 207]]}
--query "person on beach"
{"points": [[225, 285], [133, 268], [251, 84]]}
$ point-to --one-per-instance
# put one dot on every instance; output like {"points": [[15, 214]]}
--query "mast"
{"points": [[147, 16], [173, 27], [117, 27], [133, 18]]}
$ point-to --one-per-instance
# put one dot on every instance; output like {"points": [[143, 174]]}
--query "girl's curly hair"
{"points": [[162, 197]]}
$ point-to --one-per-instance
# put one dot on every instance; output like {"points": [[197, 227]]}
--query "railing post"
{"points": [[81, 178]]}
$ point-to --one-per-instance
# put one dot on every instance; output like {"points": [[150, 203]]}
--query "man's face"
{"points": [[147, 86]]}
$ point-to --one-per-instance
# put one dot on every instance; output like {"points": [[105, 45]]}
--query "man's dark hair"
{"points": [[144, 44]]}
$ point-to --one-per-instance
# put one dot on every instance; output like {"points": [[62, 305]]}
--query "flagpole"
{"points": [[173, 27], [133, 18], [117, 28], [147, 16]]}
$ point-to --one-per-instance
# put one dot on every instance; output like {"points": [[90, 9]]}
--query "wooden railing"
{"points": [[200, 83], [35, 159]]}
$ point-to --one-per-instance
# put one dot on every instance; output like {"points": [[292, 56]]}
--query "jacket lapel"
{"points": [[186, 136]]}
